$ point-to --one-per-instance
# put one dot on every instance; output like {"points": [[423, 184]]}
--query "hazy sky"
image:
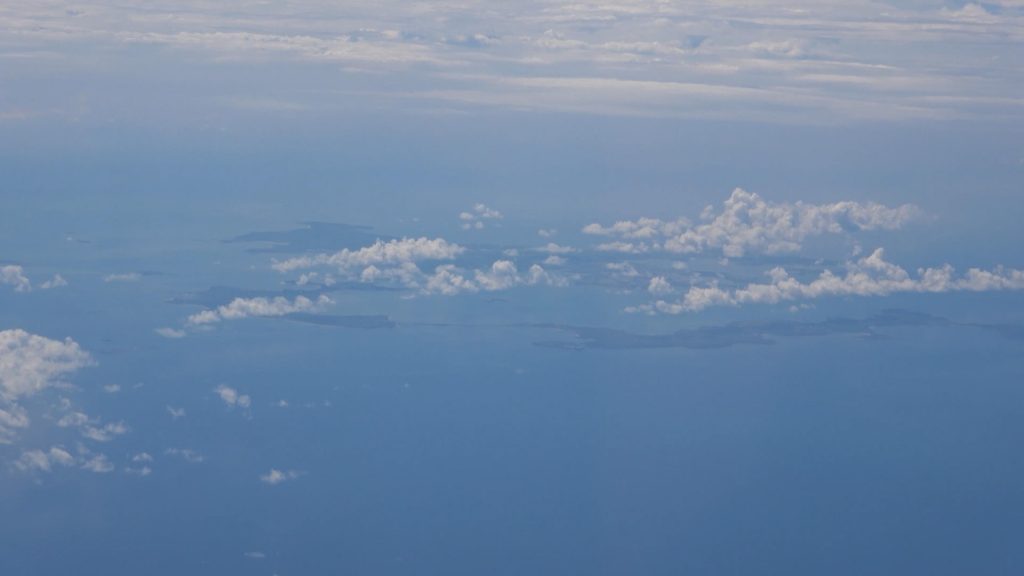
{"points": [[506, 288]]}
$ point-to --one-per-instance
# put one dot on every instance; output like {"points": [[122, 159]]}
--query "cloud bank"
{"points": [[747, 224], [868, 276]]}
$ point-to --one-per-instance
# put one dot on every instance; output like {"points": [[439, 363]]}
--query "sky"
{"points": [[301, 288]]}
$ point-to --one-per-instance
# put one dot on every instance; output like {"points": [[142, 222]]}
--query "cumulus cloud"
{"points": [[552, 248], [256, 307], [58, 457], [276, 476], [502, 275], [232, 398], [868, 276], [30, 364], [99, 464], [13, 275], [379, 254], [40, 461], [57, 281], [659, 286], [475, 218], [749, 224], [104, 433]]}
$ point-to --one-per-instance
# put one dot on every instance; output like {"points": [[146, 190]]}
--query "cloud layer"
{"points": [[747, 224], [868, 276]]}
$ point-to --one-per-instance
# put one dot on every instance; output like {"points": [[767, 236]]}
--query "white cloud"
{"points": [[40, 461], [139, 470], [232, 398], [623, 269], [30, 364], [104, 433], [475, 219], [749, 224], [56, 282], [659, 286], [868, 276], [176, 412], [257, 307], [171, 332], [99, 464], [380, 253], [111, 388], [275, 476], [642, 228], [552, 248], [13, 275], [555, 260], [502, 275]]}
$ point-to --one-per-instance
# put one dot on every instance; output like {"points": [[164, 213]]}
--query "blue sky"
{"points": [[474, 288]]}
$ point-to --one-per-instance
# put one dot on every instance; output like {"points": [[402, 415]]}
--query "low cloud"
{"points": [[868, 276], [748, 224], [275, 476], [12, 275], [30, 364], [475, 218], [380, 254], [257, 307], [232, 398], [502, 275]]}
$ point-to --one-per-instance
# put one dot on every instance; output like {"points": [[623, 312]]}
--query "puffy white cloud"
{"points": [[749, 224], [642, 228], [555, 260], [868, 276], [40, 461], [659, 286], [379, 254], [56, 282], [552, 248], [256, 307], [13, 275], [276, 476], [30, 364], [623, 269], [475, 219], [502, 275], [232, 398]]}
